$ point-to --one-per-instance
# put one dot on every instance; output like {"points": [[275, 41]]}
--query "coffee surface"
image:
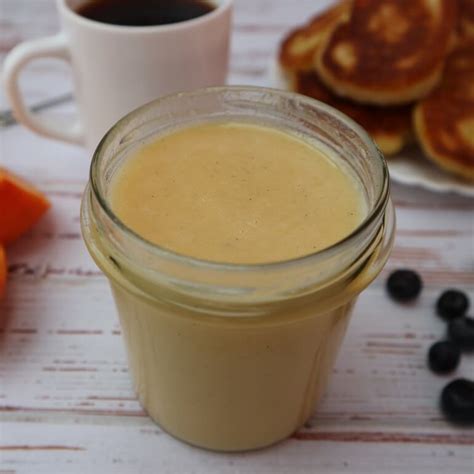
{"points": [[144, 12]]}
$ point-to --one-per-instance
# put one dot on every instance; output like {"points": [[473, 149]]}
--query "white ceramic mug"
{"points": [[118, 68]]}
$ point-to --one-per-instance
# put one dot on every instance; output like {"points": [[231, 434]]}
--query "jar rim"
{"points": [[374, 213]]}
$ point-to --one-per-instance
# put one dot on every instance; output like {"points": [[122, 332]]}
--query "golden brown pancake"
{"points": [[390, 127], [297, 49], [444, 121], [388, 51], [466, 18]]}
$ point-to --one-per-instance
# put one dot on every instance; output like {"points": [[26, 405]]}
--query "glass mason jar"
{"points": [[226, 356]]}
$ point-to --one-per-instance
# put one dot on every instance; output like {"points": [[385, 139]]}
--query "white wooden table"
{"points": [[66, 402]]}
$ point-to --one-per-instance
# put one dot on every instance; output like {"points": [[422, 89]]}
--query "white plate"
{"points": [[409, 167]]}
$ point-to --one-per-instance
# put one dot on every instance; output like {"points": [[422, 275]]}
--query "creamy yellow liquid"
{"points": [[232, 193], [237, 193]]}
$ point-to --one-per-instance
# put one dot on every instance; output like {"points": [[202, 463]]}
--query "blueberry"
{"points": [[404, 285], [452, 304], [457, 401], [461, 331], [443, 357]]}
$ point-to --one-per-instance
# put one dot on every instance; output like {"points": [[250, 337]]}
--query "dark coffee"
{"points": [[144, 12]]}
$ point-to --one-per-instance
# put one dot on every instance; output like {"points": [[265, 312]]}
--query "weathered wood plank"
{"points": [[132, 448]]}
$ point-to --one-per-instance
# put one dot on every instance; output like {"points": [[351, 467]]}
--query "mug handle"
{"points": [[56, 47]]}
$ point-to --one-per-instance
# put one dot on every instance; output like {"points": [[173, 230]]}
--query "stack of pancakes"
{"points": [[400, 68]]}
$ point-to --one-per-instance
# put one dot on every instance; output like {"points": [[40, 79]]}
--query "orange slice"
{"points": [[3, 271], [21, 206]]}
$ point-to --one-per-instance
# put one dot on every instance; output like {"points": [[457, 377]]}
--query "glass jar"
{"points": [[226, 356]]}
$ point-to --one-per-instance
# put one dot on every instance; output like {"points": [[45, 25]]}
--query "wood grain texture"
{"points": [[66, 402]]}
